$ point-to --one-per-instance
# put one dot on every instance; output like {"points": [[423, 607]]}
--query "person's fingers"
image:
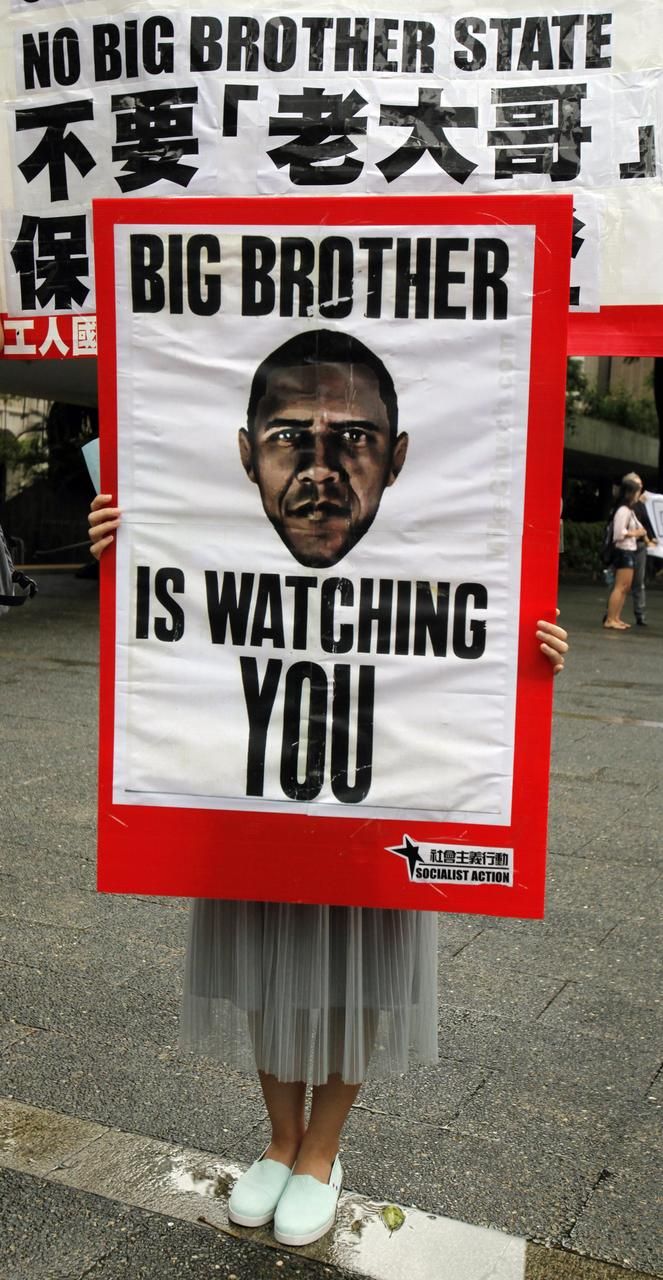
{"points": [[105, 519], [550, 626], [97, 548], [102, 530], [100, 513], [556, 642], [559, 645], [551, 629], [551, 652], [553, 656], [101, 500]]}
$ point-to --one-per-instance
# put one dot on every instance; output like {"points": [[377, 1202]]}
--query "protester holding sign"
{"points": [[317, 715], [320, 990]]}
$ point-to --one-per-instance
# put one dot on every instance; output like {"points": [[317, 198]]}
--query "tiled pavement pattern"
{"points": [[541, 1119]]}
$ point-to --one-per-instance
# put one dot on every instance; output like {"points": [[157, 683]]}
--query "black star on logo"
{"points": [[408, 850]]}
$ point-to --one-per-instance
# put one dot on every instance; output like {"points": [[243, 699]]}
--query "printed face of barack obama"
{"points": [[322, 442]]}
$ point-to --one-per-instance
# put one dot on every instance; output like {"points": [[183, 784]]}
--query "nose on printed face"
{"points": [[319, 459]]}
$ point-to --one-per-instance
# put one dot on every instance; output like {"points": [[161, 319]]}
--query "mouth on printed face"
{"points": [[318, 534], [326, 512]]}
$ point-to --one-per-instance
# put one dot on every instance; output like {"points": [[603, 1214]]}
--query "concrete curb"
{"points": [[185, 1184]]}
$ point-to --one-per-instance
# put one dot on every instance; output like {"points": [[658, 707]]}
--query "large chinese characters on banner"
{"points": [[335, 430], [126, 99]]}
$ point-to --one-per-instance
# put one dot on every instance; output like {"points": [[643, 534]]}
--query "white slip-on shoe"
{"points": [[307, 1208], [256, 1194]]}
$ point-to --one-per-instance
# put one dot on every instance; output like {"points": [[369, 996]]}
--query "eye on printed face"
{"points": [[322, 453]]}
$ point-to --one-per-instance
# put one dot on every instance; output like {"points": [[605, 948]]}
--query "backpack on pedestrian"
{"points": [[15, 587], [607, 549]]}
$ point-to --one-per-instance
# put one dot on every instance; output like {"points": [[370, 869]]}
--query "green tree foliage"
{"points": [[576, 390], [24, 451], [637, 413], [582, 546], [50, 445]]}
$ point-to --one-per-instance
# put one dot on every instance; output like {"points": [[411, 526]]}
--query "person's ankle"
{"points": [[284, 1150], [316, 1157]]}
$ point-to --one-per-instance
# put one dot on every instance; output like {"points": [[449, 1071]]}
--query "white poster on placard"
{"points": [[350, 392], [654, 505]]}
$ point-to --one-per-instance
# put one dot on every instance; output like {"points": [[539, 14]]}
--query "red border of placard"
{"points": [[616, 331], [290, 857]]}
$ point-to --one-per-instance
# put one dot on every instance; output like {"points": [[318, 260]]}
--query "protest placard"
{"points": [[335, 431]]}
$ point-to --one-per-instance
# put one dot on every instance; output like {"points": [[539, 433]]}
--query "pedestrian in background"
{"points": [[627, 532], [638, 589], [15, 587]]}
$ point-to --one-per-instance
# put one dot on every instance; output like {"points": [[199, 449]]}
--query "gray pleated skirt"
{"points": [[303, 992]]}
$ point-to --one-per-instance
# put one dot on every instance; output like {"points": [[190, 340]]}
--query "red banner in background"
{"points": [[495, 103], [54, 337], [614, 331]]}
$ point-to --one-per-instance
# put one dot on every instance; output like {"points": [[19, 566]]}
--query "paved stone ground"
{"points": [[541, 1118]]}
